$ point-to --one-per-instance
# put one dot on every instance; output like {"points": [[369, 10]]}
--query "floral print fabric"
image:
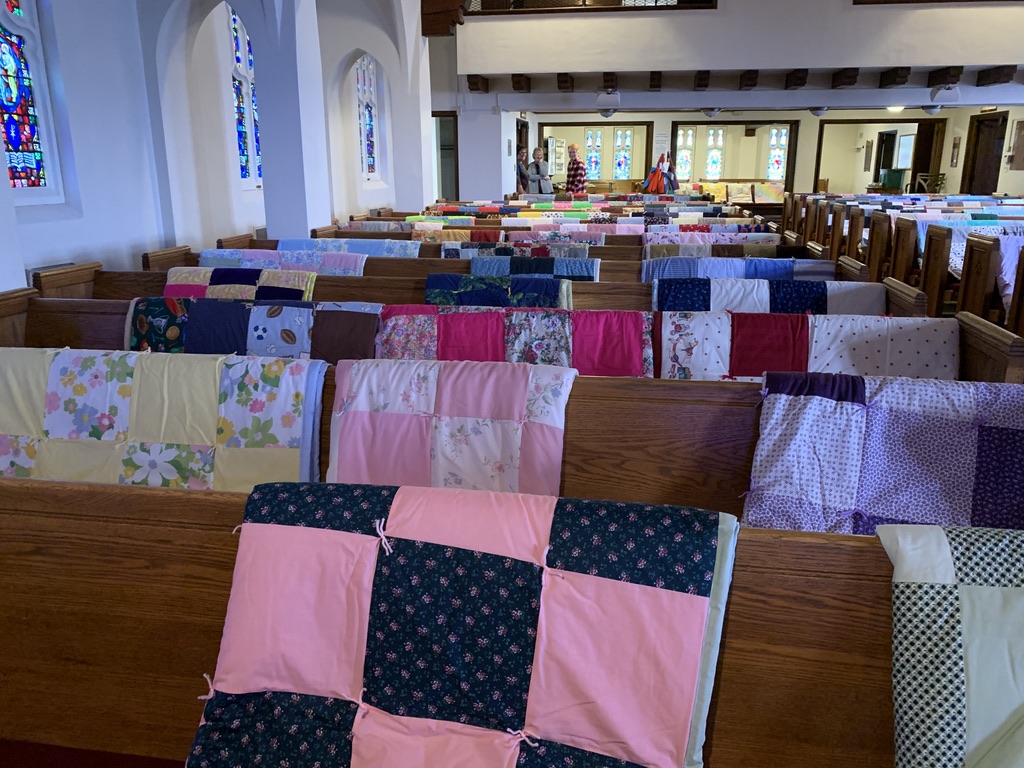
{"points": [[161, 465], [248, 385], [88, 396], [18, 456]]}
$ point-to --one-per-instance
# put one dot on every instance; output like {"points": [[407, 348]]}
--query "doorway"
{"points": [[446, 151], [886, 152], [523, 135], [984, 153]]}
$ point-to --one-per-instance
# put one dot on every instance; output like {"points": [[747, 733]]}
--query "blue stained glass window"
{"points": [[716, 154], [593, 154], [236, 36], [371, 142], [684, 154], [256, 131], [22, 147], [241, 128], [369, 115], [248, 47], [777, 153], [623, 154]]}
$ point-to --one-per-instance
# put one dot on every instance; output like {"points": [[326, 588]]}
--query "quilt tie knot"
{"points": [[754, 490], [209, 695], [856, 512], [764, 395], [521, 735], [867, 406], [379, 525], [978, 422]]}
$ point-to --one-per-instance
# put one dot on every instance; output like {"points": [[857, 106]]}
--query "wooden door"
{"points": [[985, 140]]}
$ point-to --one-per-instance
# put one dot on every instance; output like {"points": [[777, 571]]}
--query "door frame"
{"points": [[968, 156], [794, 138], [648, 141], [455, 136]]}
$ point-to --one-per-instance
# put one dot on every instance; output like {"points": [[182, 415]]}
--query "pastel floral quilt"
{"points": [[201, 422], [476, 425], [842, 454], [378, 627]]}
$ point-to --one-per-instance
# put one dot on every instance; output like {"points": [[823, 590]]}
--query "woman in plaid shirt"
{"points": [[576, 172]]}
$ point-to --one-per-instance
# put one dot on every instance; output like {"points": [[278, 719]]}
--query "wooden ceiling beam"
{"points": [[996, 76], [701, 80], [566, 82], [796, 78], [893, 77], [477, 83], [655, 82], [521, 83], [438, 18], [748, 80], [938, 78], [611, 81], [844, 78]]}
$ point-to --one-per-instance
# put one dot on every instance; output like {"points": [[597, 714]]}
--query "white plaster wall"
{"points": [[826, 33], [12, 262], [839, 155], [110, 213]]}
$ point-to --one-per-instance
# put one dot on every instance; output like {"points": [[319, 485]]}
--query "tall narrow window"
{"points": [[593, 142], [778, 152], [623, 153], [366, 98], [716, 154], [243, 92], [22, 147], [684, 153]]}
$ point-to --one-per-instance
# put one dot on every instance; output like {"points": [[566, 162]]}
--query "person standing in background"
{"points": [[575, 173], [540, 177], [522, 177]]}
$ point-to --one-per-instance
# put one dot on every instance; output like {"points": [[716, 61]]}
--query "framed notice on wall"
{"points": [[905, 152], [869, 149], [954, 158]]}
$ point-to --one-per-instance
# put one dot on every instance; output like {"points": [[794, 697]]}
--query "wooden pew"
{"points": [[161, 261], [879, 242], [1015, 317], [836, 235], [935, 267], [977, 283], [855, 233], [821, 222], [904, 249]]}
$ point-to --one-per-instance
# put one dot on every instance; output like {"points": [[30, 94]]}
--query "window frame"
{"points": [[245, 75], [27, 27]]}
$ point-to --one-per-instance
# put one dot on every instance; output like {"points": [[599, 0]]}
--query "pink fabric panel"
{"points": [[503, 524], [396, 310], [517, 237], [607, 343], [381, 448], [540, 459], [354, 261], [380, 740], [545, 227], [476, 336], [184, 291], [629, 229], [483, 390], [585, 691], [342, 373], [299, 611]]}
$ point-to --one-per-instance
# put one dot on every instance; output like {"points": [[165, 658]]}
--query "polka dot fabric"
{"points": [[914, 451]]}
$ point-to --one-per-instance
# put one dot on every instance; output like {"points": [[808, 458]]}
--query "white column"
{"points": [[12, 261], [486, 170], [413, 133]]}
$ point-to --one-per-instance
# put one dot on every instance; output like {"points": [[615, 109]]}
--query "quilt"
{"points": [[401, 249], [470, 290], [749, 267], [477, 425], [843, 454], [228, 283], [377, 627], [957, 645], [201, 422], [321, 262], [712, 346], [562, 269], [738, 294], [595, 342]]}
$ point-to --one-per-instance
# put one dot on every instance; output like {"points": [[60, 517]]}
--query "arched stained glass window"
{"points": [[14, 6], [593, 142], [366, 97], [684, 153], [778, 152], [623, 153], [22, 145], [243, 86], [716, 154]]}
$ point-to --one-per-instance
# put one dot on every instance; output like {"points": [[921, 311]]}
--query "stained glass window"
{"points": [[242, 129], [22, 146], [684, 153], [778, 152], [369, 116], [623, 153], [593, 142], [14, 6], [256, 131], [716, 154], [236, 36]]}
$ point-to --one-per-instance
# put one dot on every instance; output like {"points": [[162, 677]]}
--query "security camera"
{"points": [[606, 112], [818, 111], [711, 111]]}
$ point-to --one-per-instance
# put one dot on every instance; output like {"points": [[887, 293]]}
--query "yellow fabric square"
{"points": [[239, 469], [189, 275], [24, 374], [175, 399], [231, 291], [90, 461], [289, 278]]}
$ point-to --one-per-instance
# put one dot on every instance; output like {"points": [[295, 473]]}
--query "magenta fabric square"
{"points": [[298, 614], [483, 390], [540, 459], [478, 336], [184, 291], [395, 310], [381, 448], [607, 343], [585, 690]]}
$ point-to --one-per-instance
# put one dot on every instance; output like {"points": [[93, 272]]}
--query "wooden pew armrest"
{"points": [[162, 261], [904, 300], [71, 282], [988, 352], [851, 269], [818, 251]]}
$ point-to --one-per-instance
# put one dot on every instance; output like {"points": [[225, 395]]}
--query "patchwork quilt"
{"points": [[170, 421], [749, 267], [476, 291], [321, 262], [740, 346], [958, 645], [843, 454], [720, 250], [249, 284], [544, 236], [482, 426], [595, 342], [794, 297], [378, 627], [711, 238], [401, 249], [588, 270]]}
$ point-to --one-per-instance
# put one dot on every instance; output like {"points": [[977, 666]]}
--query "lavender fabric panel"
{"points": [[833, 386]]}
